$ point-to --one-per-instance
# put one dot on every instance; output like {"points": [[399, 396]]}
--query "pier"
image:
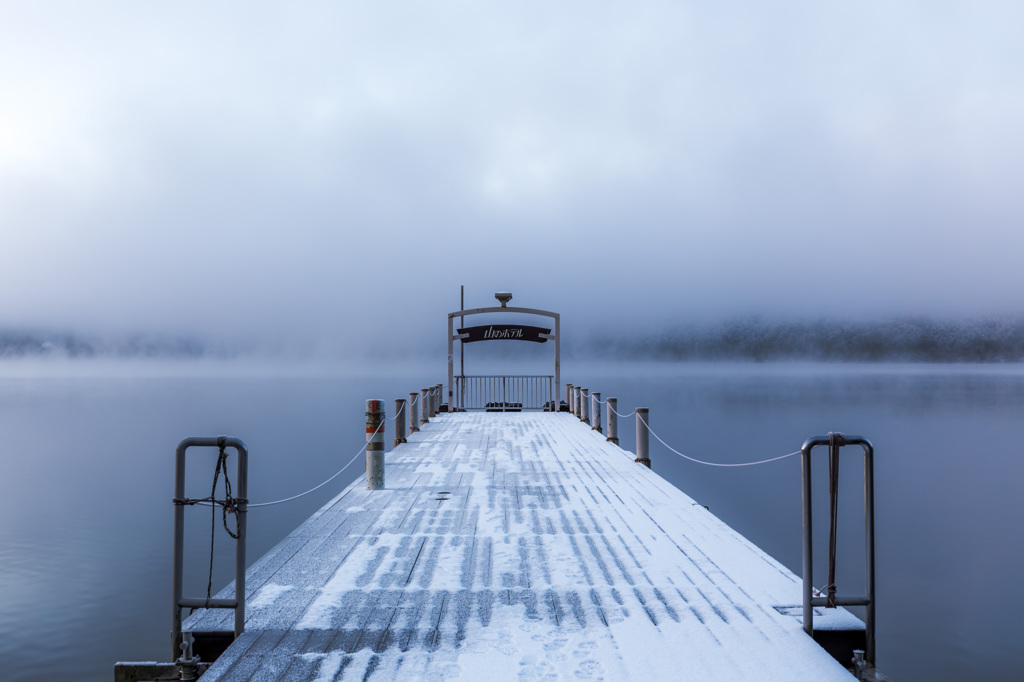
{"points": [[517, 546], [502, 543]]}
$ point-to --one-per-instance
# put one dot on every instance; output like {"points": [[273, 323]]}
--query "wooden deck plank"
{"points": [[518, 546]]}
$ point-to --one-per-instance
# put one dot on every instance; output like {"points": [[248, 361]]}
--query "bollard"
{"points": [[374, 444], [568, 396], [584, 404], [576, 401], [414, 413], [437, 399], [595, 412], [424, 407], [399, 421], [612, 419], [643, 436]]}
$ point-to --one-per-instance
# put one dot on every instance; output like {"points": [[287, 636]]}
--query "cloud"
{"points": [[309, 171]]}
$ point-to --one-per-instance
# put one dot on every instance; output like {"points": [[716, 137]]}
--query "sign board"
{"points": [[510, 332]]}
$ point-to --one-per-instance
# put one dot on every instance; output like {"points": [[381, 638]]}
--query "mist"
{"points": [[321, 179]]}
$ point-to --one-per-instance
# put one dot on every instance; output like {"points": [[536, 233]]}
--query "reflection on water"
{"points": [[85, 513]]}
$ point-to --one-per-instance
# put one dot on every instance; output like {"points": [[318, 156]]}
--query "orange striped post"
{"points": [[374, 444]]}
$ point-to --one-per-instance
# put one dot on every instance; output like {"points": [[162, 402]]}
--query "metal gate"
{"points": [[504, 393]]}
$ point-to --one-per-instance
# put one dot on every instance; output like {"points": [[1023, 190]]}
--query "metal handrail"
{"points": [[238, 603], [868, 600], [504, 392]]}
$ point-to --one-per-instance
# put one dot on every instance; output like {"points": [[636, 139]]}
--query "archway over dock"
{"points": [[503, 392]]}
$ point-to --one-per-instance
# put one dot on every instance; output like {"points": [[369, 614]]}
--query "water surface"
{"points": [[87, 456]]}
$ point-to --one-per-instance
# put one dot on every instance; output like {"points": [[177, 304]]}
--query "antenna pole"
{"points": [[462, 323]]}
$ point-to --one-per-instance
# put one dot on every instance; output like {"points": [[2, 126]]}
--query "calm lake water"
{"points": [[87, 478]]}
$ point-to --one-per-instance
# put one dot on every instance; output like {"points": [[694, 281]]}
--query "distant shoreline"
{"points": [[901, 340]]}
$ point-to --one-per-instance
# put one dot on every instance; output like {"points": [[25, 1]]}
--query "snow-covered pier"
{"points": [[518, 546]]}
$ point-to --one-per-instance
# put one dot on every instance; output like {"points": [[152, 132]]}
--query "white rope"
{"points": [[624, 416], [400, 410], [714, 464], [295, 497]]}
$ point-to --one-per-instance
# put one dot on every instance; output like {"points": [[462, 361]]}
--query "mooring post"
{"points": [[576, 401], [414, 413], [425, 407], [440, 392], [399, 421], [643, 436], [584, 400], [595, 411], [612, 419], [374, 444], [568, 396]]}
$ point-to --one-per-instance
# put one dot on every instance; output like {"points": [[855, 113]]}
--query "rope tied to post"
{"points": [[623, 416], [321, 485], [835, 441], [714, 464], [230, 504]]}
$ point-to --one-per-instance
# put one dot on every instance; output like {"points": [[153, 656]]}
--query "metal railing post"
{"points": [[400, 418], [868, 600], [643, 436], [374, 444], [612, 419], [595, 411], [425, 405], [240, 504], [414, 413]]}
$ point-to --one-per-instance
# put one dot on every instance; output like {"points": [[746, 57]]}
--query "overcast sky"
{"points": [[312, 170]]}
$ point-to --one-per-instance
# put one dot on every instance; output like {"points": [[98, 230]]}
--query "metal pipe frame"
{"points": [[867, 601], [241, 509], [556, 337]]}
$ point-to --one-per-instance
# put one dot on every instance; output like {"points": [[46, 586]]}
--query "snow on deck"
{"points": [[517, 546]]}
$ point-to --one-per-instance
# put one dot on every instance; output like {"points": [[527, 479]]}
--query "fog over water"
{"points": [[296, 177], [270, 182]]}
